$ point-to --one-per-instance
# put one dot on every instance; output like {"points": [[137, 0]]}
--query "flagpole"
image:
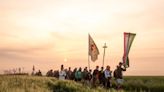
{"points": [[88, 54], [104, 54], [88, 62]]}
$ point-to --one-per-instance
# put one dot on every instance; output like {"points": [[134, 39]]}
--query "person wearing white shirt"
{"points": [[62, 73], [108, 76]]}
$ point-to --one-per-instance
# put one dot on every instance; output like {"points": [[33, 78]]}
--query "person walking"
{"points": [[119, 75], [102, 77], [78, 75], [108, 77], [69, 73], [62, 73], [95, 81]]}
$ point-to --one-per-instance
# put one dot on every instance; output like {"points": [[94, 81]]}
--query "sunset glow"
{"points": [[54, 32]]}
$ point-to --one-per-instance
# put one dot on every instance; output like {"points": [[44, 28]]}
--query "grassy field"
{"points": [[48, 84], [144, 83]]}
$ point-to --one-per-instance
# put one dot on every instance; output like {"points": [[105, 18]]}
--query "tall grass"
{"points": [[24, 84], [144, 83], [49, 84], [42, 84]]}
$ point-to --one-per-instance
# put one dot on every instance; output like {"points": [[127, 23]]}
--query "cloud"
{"points": [[24, 52]]}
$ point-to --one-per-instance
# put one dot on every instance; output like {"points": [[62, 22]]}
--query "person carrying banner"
{"points": [[119, 75]]}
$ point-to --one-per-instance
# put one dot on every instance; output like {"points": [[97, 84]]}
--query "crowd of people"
{"points": [[102, 77]]}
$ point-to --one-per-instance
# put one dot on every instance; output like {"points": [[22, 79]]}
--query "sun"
{"points": [[65, 60]]}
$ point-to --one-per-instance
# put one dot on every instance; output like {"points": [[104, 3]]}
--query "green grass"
{"points": [[144, 83], [41, 84], [21, 83]]}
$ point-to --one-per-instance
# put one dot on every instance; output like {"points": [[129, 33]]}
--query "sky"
{"points": [[48, 33]]}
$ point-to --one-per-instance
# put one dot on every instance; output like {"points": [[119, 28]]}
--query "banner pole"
{"points": [[88, 63], [88, 53], [104, 54]]}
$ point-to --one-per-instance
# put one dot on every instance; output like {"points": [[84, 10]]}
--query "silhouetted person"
{"points": [[39, 73], [89, 78], [73, 74], [50, 73], [119, 75], [115, 73], [78, 74], [102, 76], [96, 76], [56, 74], [90, 75], [85, 75], [69, 74], [85, 72]]}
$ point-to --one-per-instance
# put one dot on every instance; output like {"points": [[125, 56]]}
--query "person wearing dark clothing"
{"points": [[56, 74], [119, 75], [73, 74], [102, 77], [119, 70], [89, 75], [115, 73], [85, 72], [69, 74], [85, 77], [96, 76], [50, 73], [39, 73]]}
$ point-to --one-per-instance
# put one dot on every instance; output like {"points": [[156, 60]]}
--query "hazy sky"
{"points": [[48, 33]]}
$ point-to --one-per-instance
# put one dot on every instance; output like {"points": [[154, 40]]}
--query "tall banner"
{"points": [[93, 50], [128, 40]]}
